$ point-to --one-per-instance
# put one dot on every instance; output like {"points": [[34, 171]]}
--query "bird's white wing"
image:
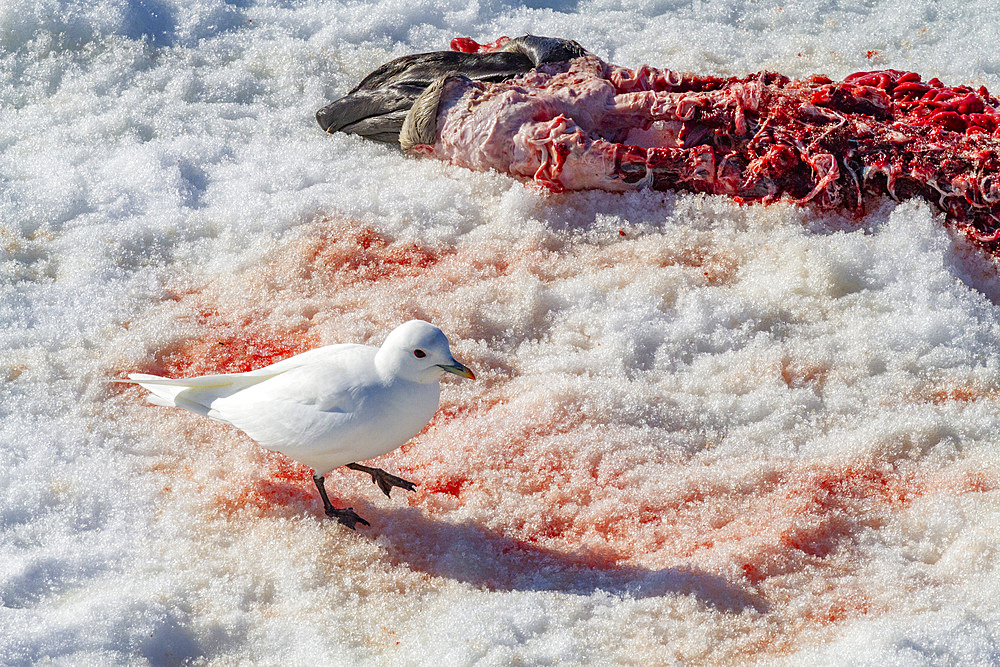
{"points": [[305, 409], [317, 355], [291, 427], [198, 393]]}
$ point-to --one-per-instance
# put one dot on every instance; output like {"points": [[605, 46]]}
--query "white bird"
{"points": [[328, 407]]}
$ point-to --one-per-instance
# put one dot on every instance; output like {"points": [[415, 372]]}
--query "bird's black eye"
{"points": [[419, 354]]}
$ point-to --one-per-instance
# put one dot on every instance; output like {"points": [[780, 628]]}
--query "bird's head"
{"points": [[418, 351]]}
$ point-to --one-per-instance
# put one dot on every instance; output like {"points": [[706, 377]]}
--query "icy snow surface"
{"points": [[703, 433]]}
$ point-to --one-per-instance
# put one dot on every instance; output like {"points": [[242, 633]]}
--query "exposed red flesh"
{"points": [[585, 124], [469, 45]]}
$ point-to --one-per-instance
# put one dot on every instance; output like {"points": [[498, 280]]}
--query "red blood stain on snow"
{"points": [[282, 483], [452, 475], [449, 485], [795, 517], [225, 349], [826, 492], [801, 514], [807, 518], [839, 609], [260, 498], [284, 469], [232, 338], [368, 267], [796, 374], [792, 517], [946, 395], [365, 255], [237, 337]]}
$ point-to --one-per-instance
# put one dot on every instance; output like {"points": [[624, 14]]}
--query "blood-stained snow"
{"points": [[702, 433]]}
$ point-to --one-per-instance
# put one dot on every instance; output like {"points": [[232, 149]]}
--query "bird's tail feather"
{"points": [[194, 394]]}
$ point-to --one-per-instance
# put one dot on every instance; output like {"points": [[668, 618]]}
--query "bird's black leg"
{"points": [[346, 516], [384, 480]]}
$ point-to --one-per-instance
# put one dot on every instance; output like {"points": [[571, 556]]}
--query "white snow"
{"points": [[702, 433]]}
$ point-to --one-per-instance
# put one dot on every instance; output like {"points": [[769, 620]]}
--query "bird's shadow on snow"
{"points": [[476, 555]]}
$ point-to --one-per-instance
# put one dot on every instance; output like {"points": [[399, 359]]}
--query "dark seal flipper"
{"points": [[377, 107], [374, 114]]}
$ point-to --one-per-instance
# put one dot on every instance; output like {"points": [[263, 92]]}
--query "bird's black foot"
{"points": [[346, 516], [384, 480]]}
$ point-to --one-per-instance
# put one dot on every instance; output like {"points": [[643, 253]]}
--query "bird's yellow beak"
{"points": [[459, 370]]}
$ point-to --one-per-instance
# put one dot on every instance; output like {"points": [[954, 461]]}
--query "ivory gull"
{"points": [[329, 407]]}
